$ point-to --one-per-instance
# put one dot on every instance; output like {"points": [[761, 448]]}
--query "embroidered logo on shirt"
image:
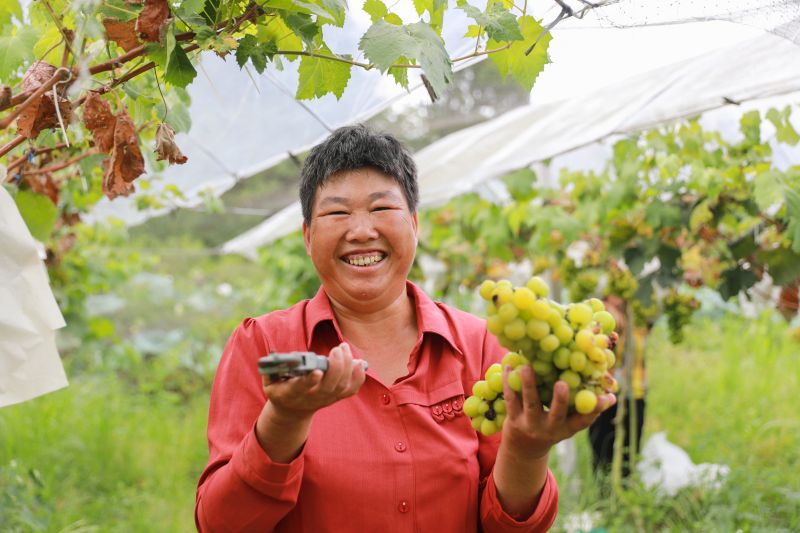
{"points": [[447, 409]]}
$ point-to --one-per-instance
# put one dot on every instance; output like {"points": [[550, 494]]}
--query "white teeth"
{"points": [[364, 260]]}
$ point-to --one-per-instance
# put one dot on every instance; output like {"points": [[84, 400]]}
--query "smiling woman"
{"points": [[389, 448]]}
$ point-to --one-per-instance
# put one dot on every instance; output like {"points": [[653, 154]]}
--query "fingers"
{"points": [[560, 402], [513, 403], [530, 394]]}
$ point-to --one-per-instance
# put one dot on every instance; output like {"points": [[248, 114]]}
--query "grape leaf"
{"points": [[9, 9], [126, 163], [735, 280], [793, 214], [47, 48], [118, 9], [768, 189], [498, 22], [38, 212], [121, 33], [100, 121], [166, 148], [785, 132], [319, 76], [327, 11], [17, 49], [750, 126], [151, 24], [400, 74], [783, 264], [180, 71], [278, 32], [375, 9], [513, 61], [384, 44], [192, 7], [257, 52], [303, 26]]}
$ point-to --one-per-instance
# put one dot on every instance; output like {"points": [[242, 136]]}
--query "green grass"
{"points": [[725, 396], [110, 456], [107, 459]]}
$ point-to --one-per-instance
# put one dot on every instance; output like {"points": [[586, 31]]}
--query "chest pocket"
{"points": [[443, 404]]}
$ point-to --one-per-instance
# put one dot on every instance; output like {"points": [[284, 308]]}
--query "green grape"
{"points": [[564, 332], [481, 389], [538, 286], [512, 359], [507, 312], [477, 422], [488, 427], [523, 298], [502, 294], [577, 361], [601, 341], [515, 380], [545, 356], [555, 317], [549, 343], [546, 395], [495, 325], [585, 401], [471, 406], [611, 359], [515, 330], [495, 382], [542, 368], [499, 406], [561, 359], [596, 355], [584, 340], [540, 310], [486, 289], [606, 321], [570, 378], [580, 314], [495, 368], [499, 420], [537, 329], [597, 305]]}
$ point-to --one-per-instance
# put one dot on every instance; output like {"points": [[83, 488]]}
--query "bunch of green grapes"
{"points": [[583, 285], [621, 283], [679, 309], [573, 343], [644, 315]]}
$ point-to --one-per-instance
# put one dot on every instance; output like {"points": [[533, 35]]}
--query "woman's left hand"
{"points": [[532, 431]]}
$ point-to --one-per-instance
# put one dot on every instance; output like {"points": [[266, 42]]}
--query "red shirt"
{"points": [[391, 459]]}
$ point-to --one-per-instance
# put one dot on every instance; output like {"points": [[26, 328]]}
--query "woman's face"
{"points": [[362, 238]]}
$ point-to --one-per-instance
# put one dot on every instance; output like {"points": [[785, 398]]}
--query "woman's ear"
{"points": [[307, 238]]}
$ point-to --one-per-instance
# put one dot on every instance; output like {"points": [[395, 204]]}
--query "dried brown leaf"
{"points": [[98, 119], [122, 33], [153, 20], [44, 184], [126, 162], [41, 114], [166, 147]]}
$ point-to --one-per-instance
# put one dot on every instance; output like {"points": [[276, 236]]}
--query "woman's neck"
{"points": [[365, 328]]}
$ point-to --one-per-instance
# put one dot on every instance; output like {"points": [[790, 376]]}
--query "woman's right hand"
{"points": [[284, 423], [301, 396]]}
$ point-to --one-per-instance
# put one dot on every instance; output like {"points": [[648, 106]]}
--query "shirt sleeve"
{"points": [[241, 489], [492, 516]]}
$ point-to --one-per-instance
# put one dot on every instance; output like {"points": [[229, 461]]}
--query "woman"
{"points": [[388, 449]]}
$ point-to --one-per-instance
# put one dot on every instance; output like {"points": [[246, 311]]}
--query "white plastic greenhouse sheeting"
{"points": [[759, 68]]}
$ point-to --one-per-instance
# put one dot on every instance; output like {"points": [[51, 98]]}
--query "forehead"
{"points": [[356, 183]]}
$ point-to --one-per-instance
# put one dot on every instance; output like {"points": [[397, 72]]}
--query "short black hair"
{"points": [[354, 147]]}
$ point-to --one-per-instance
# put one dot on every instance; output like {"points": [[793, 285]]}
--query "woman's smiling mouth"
{"points": [[366, 259]]}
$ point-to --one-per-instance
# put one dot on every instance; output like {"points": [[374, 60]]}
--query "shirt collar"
{"points": [[430, 316]]}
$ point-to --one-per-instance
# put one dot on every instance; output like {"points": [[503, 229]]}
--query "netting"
{"points": [[781, 17]]}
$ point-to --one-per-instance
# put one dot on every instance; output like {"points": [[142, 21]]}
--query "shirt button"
{"points": [[400, 447], [403, 507], [385, 399]]}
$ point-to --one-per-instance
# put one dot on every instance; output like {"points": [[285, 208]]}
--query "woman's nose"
{"points": [[361, 227]]}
